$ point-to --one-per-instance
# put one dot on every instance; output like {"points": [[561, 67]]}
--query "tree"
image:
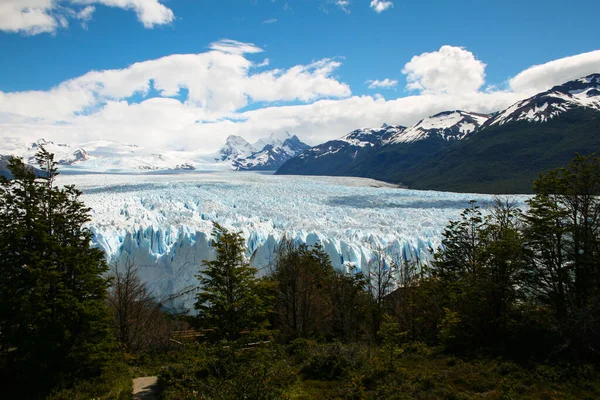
{"points": [[53, 317], [138, 322], [231, 297], [301, 301], [381, 276], [563, 242], [479, 269]]}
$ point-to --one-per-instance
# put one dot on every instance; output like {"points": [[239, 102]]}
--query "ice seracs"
{"points": [[164, 222]]}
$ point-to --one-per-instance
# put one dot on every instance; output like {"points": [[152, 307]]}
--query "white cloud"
{"points": [[542, 77], [219, 86], [270, 21], [380, 5], [386, 83], [344, 5], [449, 70], [218, 82], [27, 16], [33, 17], [234, 47], [86, 13]]}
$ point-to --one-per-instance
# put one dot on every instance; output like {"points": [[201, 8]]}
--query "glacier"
{"points": [[162, 222]]}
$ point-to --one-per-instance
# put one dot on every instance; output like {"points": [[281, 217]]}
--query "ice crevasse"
{"points": [[163, 224]]}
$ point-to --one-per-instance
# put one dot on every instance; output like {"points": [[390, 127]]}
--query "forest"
{"points": [[508, 308]]}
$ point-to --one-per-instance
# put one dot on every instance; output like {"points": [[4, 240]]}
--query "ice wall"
{"points": [[163, 223]]}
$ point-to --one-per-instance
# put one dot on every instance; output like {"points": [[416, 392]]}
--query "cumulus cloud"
{"points": [[386, 83], [197, 100], [33, 17], [380, 5], [219, 82], [542, 77], [449, 70], [27, 16]]}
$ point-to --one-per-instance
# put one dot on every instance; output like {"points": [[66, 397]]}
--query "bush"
{"points": [[113, 384], [259, 373], [333, 361]]}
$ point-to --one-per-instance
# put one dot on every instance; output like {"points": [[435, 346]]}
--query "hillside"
{"points": [[507, 158], [469, 152]]}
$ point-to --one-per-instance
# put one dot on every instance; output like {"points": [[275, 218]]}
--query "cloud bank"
{"points": [[194, 101]]}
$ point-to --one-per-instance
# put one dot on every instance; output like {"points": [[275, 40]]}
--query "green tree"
{"points": [[479, 269], [53, 316], [231, 299], [563, 242], [302, 300]]}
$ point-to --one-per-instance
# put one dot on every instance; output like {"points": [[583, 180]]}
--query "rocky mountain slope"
{"points": [[265, 155], [461, 151], [380, 152]]}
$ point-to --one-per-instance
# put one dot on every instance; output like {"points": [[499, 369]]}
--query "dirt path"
{"points": [[144, 388]]}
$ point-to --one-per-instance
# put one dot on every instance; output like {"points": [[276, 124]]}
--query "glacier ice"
{"points": [[163, 222]]}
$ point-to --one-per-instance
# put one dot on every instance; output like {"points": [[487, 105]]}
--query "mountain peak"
{"points": [[448, 125], [578, 93]]}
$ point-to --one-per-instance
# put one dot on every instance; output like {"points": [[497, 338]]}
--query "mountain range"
{"points": [[266, 154], [469, 152]]}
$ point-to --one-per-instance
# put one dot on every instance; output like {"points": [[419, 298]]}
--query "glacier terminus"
{"points": [[162, 222]]}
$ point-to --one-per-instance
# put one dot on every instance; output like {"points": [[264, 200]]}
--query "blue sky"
{"points": [[488, 44]]}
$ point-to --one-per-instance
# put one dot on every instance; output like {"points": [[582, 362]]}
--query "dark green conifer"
{"points": [[231, 297], [53, 316]]}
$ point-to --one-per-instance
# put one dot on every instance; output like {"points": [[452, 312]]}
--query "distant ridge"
{"points": [[469, 152]]}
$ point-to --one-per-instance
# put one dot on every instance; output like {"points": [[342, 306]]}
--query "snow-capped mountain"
{"points": [[580, 93], [235, 147], [332, 157], [265, 154], [448, 125], [368, 152], [462, 151], [508, 152], [107, 156]]}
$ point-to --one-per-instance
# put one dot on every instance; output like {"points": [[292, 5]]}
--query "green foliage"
{"points": [[302, 298], [225, 373], [391, 338], [478, 271], [332, 361], [563, 241], [448, 327], [504, 159], [232, 300], [114, 384], [53, 318]]}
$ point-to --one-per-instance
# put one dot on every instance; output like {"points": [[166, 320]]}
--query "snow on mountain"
{"points": [[163, 222], [354, 142], [235, 147], [266, 154], [448, 125], [64, 154], [107, 156], [583, 92]]}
